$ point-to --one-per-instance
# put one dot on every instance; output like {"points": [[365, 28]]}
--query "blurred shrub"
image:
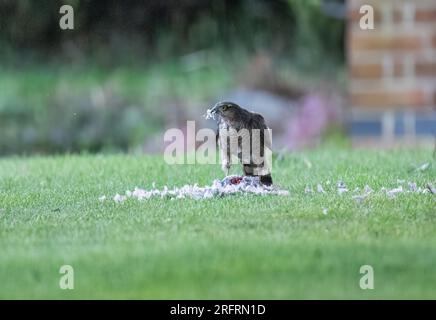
{"points": [[318, 41], [50, 110], [113, 30], [87, 129], [65, 120], [52, 99]]}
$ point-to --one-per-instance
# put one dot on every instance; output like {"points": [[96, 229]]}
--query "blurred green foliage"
{"points": [[112, 30], [107, 84], [46, 110]]}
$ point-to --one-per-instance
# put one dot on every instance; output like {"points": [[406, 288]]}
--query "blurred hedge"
{"points": [[162, 28]]}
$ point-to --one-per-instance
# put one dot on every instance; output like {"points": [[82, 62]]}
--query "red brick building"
{"points": [[392, 70]]}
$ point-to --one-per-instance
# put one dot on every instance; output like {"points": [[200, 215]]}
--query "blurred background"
{"points": [[132, 69]]}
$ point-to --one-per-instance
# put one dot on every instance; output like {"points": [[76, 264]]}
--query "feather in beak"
{"points": [[211, 113]]}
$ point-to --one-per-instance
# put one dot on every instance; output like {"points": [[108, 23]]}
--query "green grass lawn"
{"points": [[235, 247]]}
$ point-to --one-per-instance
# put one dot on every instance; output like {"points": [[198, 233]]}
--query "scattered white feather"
{"points": [[423, 166], [251, 185], [360, 198], [319, 188], [413, 187], [341, 187], [367, 189], [219, 188], [395, 191], [366, 192], [119, 198], [308, 189]]}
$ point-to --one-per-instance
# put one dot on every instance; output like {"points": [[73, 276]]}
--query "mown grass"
{"points": [[236, 247]]}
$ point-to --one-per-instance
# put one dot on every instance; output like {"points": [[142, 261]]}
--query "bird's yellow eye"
{"points": [[226, 107]]}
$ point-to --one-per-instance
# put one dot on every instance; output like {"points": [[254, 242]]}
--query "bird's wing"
{"points": [[258, 118], [260, 158], [258, 122]]}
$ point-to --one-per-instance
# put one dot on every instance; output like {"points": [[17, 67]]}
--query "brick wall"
{"points": [[393, 66]]}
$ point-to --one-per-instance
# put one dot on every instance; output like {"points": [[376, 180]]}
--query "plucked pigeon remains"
{"points": [[230, 185], [341, 188]]}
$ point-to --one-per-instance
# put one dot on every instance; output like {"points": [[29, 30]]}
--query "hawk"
{"points": [[243, 135]]}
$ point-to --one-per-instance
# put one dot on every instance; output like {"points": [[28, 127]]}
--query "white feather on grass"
{"points": [[219, 188]]}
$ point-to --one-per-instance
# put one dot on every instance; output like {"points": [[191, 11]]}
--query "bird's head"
{"points": [[225, 109]]}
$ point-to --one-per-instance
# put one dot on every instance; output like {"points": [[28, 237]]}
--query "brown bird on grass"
{"points": [[245, 135]]}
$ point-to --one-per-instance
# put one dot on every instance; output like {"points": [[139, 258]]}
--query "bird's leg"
{"points": [[226, 157], [226, 167]]}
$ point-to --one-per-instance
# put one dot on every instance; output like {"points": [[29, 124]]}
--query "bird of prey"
{"points": [[243, 135]]}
